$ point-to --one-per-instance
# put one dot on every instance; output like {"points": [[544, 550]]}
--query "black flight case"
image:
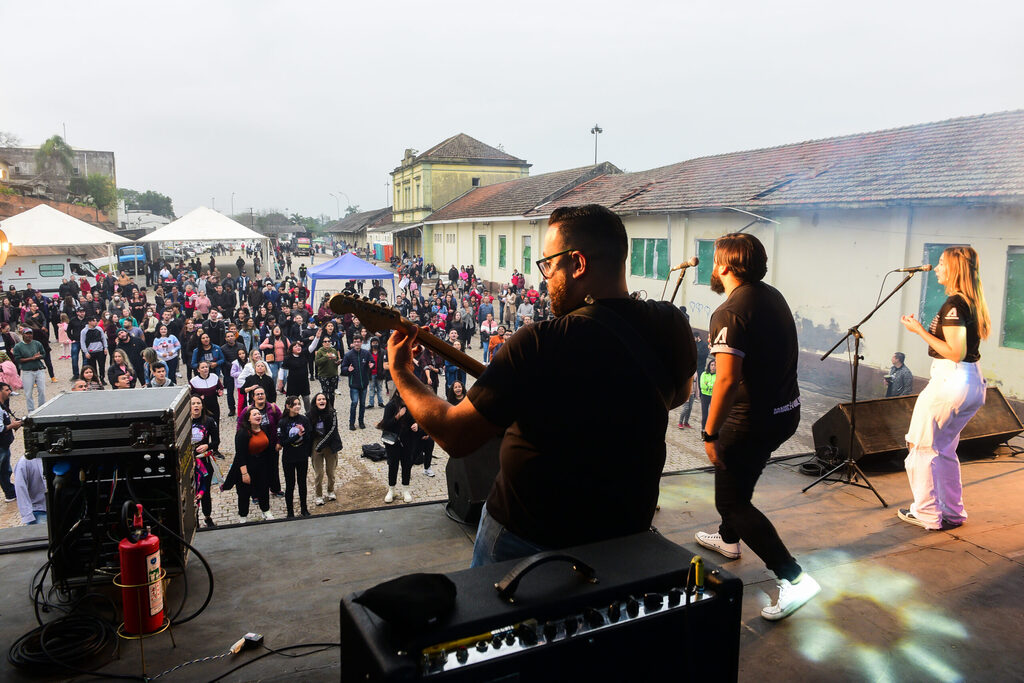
{"points": [[99, 449]]}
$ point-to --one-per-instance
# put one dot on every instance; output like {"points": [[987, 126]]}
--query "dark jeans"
{"points": [[745, 453], [76, 353], [258, 472], [295, 472], [5, 473], [229, 389], [98, 361], [684, 414], [427, 448], [705, 405], [399, 454], [205, 482], [358, 397], [329, 385]]}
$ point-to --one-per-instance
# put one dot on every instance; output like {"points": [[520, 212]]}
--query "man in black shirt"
{"points": [[754, 408], [562, 480]]}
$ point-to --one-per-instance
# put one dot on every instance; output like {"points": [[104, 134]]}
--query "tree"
{"points": [[55, 158], [102, 191], [151, 201], [351, 210]]}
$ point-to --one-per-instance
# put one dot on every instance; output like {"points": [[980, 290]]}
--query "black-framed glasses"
{"points": [[544, 264]]}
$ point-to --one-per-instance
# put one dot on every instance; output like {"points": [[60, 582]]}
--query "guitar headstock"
{"points": [[374, 316]]}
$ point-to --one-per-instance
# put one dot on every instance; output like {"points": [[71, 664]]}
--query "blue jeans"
{"points": [[5, 473], [358, 398], [375, 390], [274, 368], [40, 517], [495, 543], [76, 351]]}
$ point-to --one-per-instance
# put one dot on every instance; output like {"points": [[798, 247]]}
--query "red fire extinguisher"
{"points": [[142, 590]]}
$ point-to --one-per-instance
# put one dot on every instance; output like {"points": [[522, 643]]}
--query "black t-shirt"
{"points": [[956, 312], [584, 446], [755, 323]]}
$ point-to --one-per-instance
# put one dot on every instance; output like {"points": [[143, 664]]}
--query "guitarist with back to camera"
{"points": [[582, 399]]}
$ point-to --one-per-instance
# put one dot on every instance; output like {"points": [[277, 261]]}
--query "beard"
{"points": [[716, 284], [558, 295]]}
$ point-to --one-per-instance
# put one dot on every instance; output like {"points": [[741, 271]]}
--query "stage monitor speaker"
{"points": [[470, 480], [882, 424]]}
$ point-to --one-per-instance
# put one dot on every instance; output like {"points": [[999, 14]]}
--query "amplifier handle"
{"points": [[507, 586]]}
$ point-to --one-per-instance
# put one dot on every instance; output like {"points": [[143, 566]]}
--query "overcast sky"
{"points": [[282, 103]]}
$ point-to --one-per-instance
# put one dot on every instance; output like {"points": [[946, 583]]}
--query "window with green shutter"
{"points": [[1013, 313], [649, 258], [527, 254], [483, 250], [932, 293], [501, 251], [706, 256]]}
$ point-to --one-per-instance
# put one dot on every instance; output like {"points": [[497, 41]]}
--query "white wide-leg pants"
{"points": [[954, 394]]}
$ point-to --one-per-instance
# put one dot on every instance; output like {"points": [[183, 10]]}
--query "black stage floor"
{"points": [[898, 603]]}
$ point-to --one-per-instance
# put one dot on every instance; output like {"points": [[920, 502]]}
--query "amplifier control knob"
{"points": [[652, 602], [632, 607], [571, 624], [510, 638], [593, 618], [462, 654], [550, 631], [496, 642], [675, 596], [527, 635], [614, 611], [481, 646]]}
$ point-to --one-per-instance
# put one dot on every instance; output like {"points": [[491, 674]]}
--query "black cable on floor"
{"points": [[65, 641], [280, 651]]}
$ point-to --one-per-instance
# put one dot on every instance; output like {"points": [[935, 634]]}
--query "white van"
{"points": [[44, 273]]}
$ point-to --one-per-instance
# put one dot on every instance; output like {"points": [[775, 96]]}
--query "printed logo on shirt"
{"points": [[722, 337], [952, 314]]}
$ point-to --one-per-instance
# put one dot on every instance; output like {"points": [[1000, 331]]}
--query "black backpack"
{"points": [[93, 335]]}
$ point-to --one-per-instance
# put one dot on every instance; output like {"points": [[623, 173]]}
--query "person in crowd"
{"points": [[209, 388], [9, 372], [158, 376], [488, 328], [899, 381], [707, 384], [132, 347], [295, 436], [91, 379], [400, 434], [453, 373], [62, 336], [378, 359], [238, 365], [149, 359], [168, 349], [457, 393], [271, 416], [252, 467], [326, 445], [28, 355], [231, 350], [274, 348], [209, 352], [260, 379], [205, 443], [296, 370], [9, 424], [30, 490], [954, 393], [356, 365], [189, 342], [496, 340], [121, 373], [326, 363]]}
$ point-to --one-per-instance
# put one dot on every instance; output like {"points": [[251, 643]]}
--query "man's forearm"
{"points": [[722, 398]]}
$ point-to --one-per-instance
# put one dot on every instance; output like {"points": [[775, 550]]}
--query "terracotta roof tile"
{"points": [[462, 146]]}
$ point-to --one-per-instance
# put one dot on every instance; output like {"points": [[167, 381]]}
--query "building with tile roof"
{"points": [[426, 181]]}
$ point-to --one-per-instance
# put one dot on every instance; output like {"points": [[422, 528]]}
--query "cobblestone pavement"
{"points": [[362, 483]]}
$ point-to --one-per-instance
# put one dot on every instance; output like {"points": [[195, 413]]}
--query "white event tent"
{"points": [[45, 226], [203, 224]]}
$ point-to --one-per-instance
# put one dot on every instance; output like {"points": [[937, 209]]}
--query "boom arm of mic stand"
{"points": [[855, 330], [676, 290]]}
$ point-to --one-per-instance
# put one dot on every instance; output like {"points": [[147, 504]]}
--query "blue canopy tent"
{"points": [[348, 267]]}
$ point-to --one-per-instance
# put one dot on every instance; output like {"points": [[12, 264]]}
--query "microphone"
{"points": [[914, 269], [691, 263]]}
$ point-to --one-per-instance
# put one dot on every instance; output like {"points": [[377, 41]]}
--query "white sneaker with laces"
{"points": [[318, 500], [268, 516], [243, 520], [715, 542], [407, 496], [390, 495], [429, 472], [332, 496], [792, 596]]}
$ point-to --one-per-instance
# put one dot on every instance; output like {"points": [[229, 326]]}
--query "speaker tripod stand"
{"points": [[849, 472]]}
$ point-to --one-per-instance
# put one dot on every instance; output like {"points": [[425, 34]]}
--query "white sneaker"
{"points": [[331, 496], [268, 516], [243, 520], [792, 596], [715, 542], [319, 500], [390, 495], [429, 472], [407, 496]]}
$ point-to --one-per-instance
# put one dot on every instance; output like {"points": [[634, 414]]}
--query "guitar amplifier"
{"points": [[617, 610]]}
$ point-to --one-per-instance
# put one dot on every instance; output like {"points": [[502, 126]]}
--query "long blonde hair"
{"points": [[963, 277]]}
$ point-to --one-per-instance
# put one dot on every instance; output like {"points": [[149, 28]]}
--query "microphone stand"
{"points": [[851, 471], [682, 272]]}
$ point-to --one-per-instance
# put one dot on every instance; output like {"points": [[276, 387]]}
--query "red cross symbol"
{"points": [[19, 271]]}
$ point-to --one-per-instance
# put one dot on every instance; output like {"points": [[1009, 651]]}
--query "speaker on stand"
{"points": [[470, 480]]}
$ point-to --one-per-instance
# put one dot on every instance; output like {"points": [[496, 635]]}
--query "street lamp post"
{"points": [[232, 204], [348, 202], [337, 202], [595, 131]]}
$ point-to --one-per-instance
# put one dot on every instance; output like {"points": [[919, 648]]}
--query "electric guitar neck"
{"points": [[379, 318]]}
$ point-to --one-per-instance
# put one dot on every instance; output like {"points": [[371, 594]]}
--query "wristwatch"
{"points": [[704, 436]]}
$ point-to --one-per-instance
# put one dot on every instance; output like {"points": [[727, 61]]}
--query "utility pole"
{"points": [[232, 204], [595, 131]]}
